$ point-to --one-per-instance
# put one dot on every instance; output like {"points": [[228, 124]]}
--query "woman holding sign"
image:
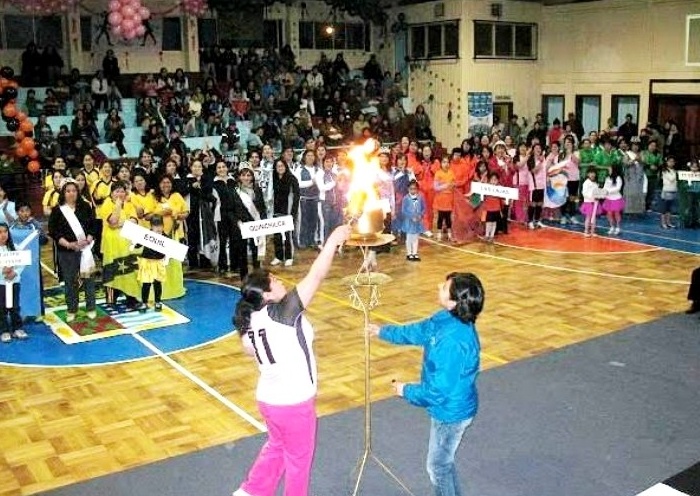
{"points": [[249, 205], [171, 206], [70, 226]]}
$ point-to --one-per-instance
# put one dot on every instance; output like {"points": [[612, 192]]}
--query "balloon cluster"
{"points": [[126, 18], [195, 7], [17, 121]]}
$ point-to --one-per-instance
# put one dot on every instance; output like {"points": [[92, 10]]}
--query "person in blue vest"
{"points": [[447, 387], [309, 197]]}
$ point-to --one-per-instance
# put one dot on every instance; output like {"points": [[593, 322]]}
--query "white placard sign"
{"points": [[139, 235], [264, 227], [486, 189], [15, 258], [689, 176]]}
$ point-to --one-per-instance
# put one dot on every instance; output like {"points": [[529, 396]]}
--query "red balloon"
{"points": [[19, 136], [34, 166], [3, 82], [26, 126], [27, 144], [33, 154], [20, 152], [10, 110], [21, 116]]}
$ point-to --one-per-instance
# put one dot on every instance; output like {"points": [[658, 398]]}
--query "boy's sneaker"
{"points": [[428, 234], [617, 231], [158, 307], [409, 258], [5, 337], [275, 261], [416, 258], [20, 334], [289, 262], [611, 231]]}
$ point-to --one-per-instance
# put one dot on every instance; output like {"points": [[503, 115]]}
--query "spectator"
{"points": [[31, 66], [628, 129], [110, 66], [53, 64], [372, 71], [422, 124], [100, 90]]}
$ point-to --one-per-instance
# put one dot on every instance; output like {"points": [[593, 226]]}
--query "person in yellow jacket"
{"points": [[172, 207]]}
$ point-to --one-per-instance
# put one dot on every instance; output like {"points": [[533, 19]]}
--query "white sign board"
{"points": [[486, 189], [689, 176], [264, 227], [139, 235], [15, 258]]}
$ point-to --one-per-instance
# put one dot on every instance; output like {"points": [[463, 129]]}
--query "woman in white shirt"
{"points": [[669, 192], [99, 88], [614, 203]]}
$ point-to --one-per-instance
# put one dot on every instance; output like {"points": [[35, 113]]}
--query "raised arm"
{"points": [[319, 269]]}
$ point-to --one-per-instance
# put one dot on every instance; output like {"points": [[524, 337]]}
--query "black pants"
{"points": [[227, 254], [283, 246], [694, 290], [15, 319], [70, 263], [241, 247], [444, 219], [502, 222]]}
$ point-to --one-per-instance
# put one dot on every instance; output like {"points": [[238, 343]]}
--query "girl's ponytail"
{"points": [[252, 300]]}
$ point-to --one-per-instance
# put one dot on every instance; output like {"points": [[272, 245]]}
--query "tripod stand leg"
{"points": [[360, 472], [391, 474]]}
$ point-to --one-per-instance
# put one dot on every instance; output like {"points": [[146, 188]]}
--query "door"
{"points": [[685, 111], [502, 111], [553, 108], [588, 110]]}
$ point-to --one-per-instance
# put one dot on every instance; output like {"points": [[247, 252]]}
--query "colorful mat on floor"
{"points": [[109, 322]]}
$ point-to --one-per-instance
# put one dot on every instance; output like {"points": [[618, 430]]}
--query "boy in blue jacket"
{"points": [[447, 388]]}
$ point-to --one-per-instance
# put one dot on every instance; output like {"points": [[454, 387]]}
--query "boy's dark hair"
{"points": [[22, 204], [493, 174], [413, 182], [467, 292]]}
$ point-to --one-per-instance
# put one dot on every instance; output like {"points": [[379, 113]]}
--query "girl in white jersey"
{"points": [[274, 330]]}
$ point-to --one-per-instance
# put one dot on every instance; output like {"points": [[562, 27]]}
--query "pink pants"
{"points": [[289, 450]]}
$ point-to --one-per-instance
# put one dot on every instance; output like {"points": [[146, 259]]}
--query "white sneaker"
{"points": [[611, 231], [289, 262], [617, 230], [275, 261], [92, 314], [240, 492], [540, 224], [438, 236], [530, 225], [70, 317], [428, 234], [563, 221], [574, 221]]}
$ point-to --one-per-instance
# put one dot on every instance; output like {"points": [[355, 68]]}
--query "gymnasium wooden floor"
{"points": [[545, 290]]}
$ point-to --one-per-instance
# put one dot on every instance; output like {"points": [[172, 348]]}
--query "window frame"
{"points": [[426, 28], [615, 103], [319, 26], [534, 43]]}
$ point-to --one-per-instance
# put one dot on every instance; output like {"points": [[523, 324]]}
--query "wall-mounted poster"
{"points": [[480, 105]]}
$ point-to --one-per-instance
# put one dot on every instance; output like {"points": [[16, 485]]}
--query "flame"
{"points": [[362, 193]]}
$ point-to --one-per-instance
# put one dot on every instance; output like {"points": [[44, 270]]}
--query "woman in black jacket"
{"points": [[201, 231], [285, 188], [224, 189], [249, 205]]}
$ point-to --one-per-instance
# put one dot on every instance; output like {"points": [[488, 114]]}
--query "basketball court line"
{"points": [[557, 268], [199, 382], [596, 253], [382, 317]]}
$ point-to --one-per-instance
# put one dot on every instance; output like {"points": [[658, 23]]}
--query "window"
{"points": [[345, 36], [42, 30], [623, 105], [553, 108], [86, 33], [172, 34], [207, 32], [588, 110], [272, 33], [434, 41], [505, 40]]}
